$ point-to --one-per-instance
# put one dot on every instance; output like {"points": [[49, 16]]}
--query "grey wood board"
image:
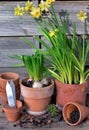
{"points": [[11, 25], [16, 43], [5, 61], [5, 125], [20, 70]]}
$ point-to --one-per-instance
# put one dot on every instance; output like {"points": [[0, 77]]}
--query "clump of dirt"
{"points": [[30, 121], [74, 116]]}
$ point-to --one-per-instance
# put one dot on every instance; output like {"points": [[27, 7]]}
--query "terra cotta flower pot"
{"points": [[37, 100], [13, 114], [70, 93], [69, 108], [7, 76]]}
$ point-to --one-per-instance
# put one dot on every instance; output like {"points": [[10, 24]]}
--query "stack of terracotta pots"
{"points": [[7, 76]]}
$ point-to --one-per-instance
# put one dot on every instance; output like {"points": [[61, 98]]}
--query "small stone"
{"points": [[18, 122], [23, 117], [23, 111], [15, 125], [49, 121], [21, 125], [35, 123], [43, 123], [31, 120], [29, 116], [39, 121]]}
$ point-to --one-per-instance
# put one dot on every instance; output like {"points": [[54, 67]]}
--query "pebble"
{"points": [[15, 125], [28, 121]]}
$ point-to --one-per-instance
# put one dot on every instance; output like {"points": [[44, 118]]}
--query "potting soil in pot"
{"points": [[74, 116], [29, 83]]}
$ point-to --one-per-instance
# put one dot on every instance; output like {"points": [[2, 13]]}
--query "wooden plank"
{"points": [[11, 25], [5, 125], [5, 61], [73, 7], [20, 70], [14, 45], [14, 26]]}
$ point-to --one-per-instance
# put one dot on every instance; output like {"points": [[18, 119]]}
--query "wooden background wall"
{"points": [[12, 28]]}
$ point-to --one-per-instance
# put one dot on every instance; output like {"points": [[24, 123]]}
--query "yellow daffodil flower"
{"points": [[19, 11], [50, 1], [44, 6], [51, 33], [28, 5], [36, 13], [32, 7], [81, 16]]}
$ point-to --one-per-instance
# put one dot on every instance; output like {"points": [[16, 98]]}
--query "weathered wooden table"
{"points": [[12, 28], [61, 125]]}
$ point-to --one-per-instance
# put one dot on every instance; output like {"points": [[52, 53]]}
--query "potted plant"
{"points": [[36, 89], [67, 53]]}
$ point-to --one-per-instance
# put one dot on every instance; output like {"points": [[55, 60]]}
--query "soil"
{"points": [[29, 83], [74, 116], [28, 121], [46, 120]]}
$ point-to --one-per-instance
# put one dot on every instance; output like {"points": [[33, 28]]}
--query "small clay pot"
{"points": [[7, 76], [81, 112], [13, 114]]}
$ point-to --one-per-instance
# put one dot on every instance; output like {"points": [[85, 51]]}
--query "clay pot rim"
{"points": [[42, 88], [12, 73], [10, 110], [72, 85], [3, 90]]}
